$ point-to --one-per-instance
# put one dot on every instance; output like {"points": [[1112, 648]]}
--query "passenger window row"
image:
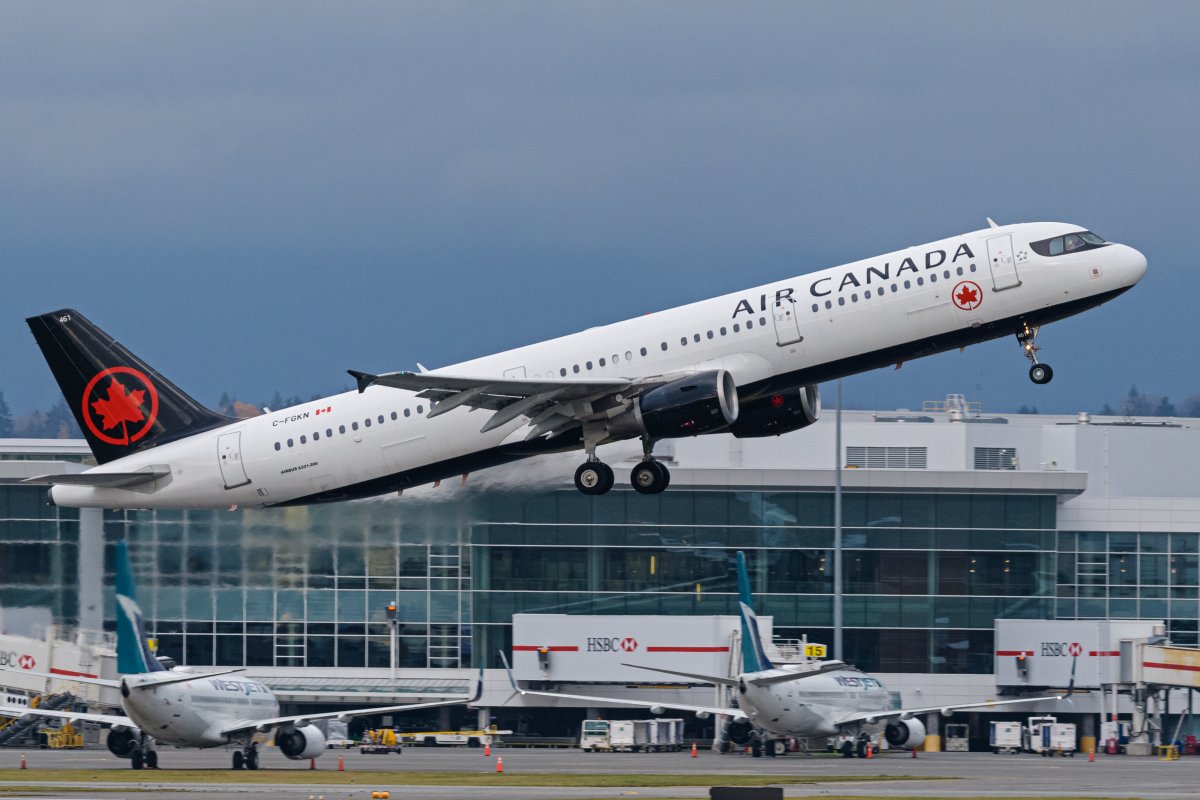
{"points": [[895, 288], [683, 342], [341, 429]]}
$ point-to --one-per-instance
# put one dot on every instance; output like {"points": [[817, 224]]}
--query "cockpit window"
{"points": [[1071, 243]]}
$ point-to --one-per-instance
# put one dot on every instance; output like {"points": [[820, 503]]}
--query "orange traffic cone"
{"points": [[500, 764], [23, 764], [1092, 755], [487, 748], [914, 752], [870, 751], [693, 750], [341, 763], [312, 763]]}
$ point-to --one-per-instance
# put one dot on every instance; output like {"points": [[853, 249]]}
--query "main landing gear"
{"points": [[595, 477], [246, 758], [1027, 336]]}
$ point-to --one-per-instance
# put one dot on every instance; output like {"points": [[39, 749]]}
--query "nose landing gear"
{"points": [[1027, 337]]}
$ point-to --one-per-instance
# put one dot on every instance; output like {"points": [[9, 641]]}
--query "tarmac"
{"points": [[969, 774]]}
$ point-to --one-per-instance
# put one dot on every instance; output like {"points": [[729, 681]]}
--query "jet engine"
{"points": [[741, 732], [298, 743], [904, 733], [123, 742], [778, 413], [702, 403]]}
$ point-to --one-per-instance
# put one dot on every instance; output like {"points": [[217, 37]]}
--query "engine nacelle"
{"points": [[741, 732], [904, 733], [297, 743], [702, 403], [122, 743], [778, 413]]}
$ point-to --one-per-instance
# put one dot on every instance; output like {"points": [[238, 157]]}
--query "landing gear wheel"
{"points": [[239, 760], [252, 759], [860, 749], [1040, 374], [778, 747], [152, 759], [137, 760], [650, 477], [594, 477], [847, 749]]}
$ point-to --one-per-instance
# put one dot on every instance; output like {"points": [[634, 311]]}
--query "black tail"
{"points": [[122, 405]]}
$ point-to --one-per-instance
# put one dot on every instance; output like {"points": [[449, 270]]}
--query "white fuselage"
{"points": [[809, 707], [844, 320], [193, 713]]}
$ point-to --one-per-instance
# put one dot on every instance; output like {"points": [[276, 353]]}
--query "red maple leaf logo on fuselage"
{"points": [[967, 295], [121, 406]]}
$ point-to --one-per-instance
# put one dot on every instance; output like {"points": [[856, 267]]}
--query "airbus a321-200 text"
{"points": [[822, 699], [747, 364], [181, 707]]}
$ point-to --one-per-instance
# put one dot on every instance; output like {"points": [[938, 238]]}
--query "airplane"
{"points": [[747, 364], [180, 707], [822, 699]]}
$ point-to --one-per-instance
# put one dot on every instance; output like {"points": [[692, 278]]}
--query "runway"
{"points": [[948, 774]]}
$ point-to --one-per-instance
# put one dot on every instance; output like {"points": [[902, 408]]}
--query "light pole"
{"points": [[837, 528], [395, 626]]}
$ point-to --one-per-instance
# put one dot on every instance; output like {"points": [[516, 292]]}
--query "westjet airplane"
{"points": [[747, 364], [820, 700], [183, 708]]}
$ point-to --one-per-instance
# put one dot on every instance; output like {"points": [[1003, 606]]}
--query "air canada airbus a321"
{"points": [[746, 364]]}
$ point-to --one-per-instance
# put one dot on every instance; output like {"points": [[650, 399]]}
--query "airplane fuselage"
{"points": [[193, 713], [774, 337], [810, 706]]}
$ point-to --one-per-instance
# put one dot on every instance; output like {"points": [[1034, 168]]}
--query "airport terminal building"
{"points": [[952, 519]]}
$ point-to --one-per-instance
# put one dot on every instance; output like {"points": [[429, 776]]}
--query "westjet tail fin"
{"points": [[133, 652], [120, 402], [754, 658]]}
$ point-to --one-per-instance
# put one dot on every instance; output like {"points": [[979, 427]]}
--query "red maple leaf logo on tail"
{"points": [[121, 406]]}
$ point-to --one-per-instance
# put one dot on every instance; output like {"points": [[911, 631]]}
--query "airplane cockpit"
{"points": [[1069, 243]]}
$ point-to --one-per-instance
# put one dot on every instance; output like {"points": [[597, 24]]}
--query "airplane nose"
{"points": [[1133, 265]]}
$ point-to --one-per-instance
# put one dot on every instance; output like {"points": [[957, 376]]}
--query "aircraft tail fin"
{"points": [[754, 658], [120, 402], [133, 651]]}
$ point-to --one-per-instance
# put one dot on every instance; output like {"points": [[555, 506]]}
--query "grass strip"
{"points": [[397, 778]]}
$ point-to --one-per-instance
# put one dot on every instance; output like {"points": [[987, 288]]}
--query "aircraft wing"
{"points": [[552, 407], [106, 719], [736, 713], [871, 717], [273, 722], [65, 678]]}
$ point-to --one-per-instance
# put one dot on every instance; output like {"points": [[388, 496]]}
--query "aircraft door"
{"points": [[515, 374], [1002, 263], [229, 451], [787, 321]]}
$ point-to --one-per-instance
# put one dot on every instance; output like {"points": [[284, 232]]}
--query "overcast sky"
{"points": [[256, 197]]}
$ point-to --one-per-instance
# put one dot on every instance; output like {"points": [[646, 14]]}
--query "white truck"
{"points": [[631, 735], [1007, 737], [1047, 737]]}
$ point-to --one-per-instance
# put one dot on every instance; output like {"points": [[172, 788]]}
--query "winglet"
{"points": [[511, 679], [364, 379]]}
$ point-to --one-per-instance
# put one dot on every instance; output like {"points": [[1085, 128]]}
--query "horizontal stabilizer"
{"points": [[102, 480], [154, 682], [693, 675], [785, 677]]}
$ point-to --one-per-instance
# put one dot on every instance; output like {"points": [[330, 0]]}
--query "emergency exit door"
{"points": [[787, 321]]}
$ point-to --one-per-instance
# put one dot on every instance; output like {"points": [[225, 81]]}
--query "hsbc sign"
{"points": [[611, 644], [1071, 649], [11, 658]]}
